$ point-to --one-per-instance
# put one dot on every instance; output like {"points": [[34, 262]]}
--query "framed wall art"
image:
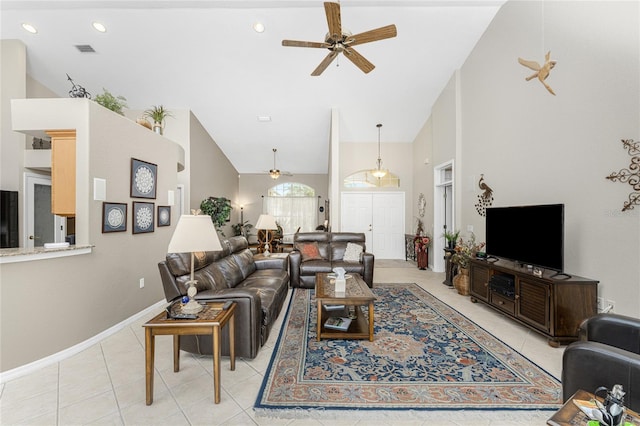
{"points": [[164, 215], [144, 179], [114, 217], [143, 217]]}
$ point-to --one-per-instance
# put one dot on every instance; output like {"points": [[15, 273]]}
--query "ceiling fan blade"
{"points": [[359, 60], [332, 10], [368, 36], [325, 63], [296, 43]]}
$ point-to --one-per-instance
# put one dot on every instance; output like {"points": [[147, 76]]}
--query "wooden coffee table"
{"points": [[357, 294], [210, 321]]}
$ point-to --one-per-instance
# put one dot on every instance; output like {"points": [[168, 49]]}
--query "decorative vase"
{"points": [[157, 127], [461, 281], [422, 259], [143, 122]]}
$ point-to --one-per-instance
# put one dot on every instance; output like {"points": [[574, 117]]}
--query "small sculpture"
{"points": [[77, 91], [541, 72]]}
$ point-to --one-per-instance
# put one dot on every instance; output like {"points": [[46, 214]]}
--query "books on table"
{"points": [[337, 323]]}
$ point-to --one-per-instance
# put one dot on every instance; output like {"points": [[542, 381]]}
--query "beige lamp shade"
{"points": [[194, 233], [266, 221]]}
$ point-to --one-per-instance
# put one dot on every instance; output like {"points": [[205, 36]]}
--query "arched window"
{"points": [[364, 179], [294, 206]]}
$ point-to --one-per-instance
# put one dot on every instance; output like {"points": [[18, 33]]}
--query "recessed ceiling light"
{"points": [[99, 27], [29, 27], [258, 27]]}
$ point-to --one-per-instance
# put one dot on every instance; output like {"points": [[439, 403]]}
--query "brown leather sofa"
{"points": [[331, 247], [259, 287], [607, 354]]}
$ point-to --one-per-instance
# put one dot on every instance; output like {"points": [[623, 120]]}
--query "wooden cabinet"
{"points": [[551, 305], [63, 172]]}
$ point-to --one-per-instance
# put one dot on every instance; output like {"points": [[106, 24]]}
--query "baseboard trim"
{"points": [[73, 350]]}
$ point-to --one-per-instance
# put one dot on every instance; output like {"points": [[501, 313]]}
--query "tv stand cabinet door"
{"points": [[479, 281], [534, 303]]}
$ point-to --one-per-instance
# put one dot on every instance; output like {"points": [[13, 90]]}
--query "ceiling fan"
{"points": [[339, 41], [276, 173]]}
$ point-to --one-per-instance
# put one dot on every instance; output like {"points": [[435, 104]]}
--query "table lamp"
{"points": [[194, 233], [266, 222]]}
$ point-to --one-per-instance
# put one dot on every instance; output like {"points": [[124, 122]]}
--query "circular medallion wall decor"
{"points": [[143, 217], [144, 177], [422, 204], [114, 217]]}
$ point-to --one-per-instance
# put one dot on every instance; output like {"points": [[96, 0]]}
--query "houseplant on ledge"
{"points": [[114, 103], [157, 114], [464, 251]]}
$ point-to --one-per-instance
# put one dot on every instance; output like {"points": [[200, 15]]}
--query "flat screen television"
{"points": [[529, 235]]}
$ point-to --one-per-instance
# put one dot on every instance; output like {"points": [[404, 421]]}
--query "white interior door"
{"points": [[380, 216], [357, 215], [388, 225], [41, 226]]}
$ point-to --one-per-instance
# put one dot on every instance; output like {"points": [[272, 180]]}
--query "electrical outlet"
{"points": [[600, 304], [141, 282], [612, 304]]}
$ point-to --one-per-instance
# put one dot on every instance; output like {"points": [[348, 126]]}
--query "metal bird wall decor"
{"points": [[630, 175], [541, 72], [485, 199]]}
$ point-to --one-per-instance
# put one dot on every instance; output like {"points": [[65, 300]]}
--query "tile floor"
{"points": [[105, 385]]}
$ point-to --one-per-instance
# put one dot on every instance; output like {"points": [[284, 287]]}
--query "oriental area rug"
{"points": [[425, 356]]}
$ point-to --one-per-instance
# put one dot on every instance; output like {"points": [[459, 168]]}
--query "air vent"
{"points": [[85, 48]]}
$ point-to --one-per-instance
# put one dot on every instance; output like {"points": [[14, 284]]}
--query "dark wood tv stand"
{"points": [[554, 307]]}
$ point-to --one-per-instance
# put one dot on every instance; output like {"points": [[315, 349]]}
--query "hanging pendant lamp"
{"points": [[379, 172]]}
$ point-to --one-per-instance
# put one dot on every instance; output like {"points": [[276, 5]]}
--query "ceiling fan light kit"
{"points": [[275, 173], [339, 41]]}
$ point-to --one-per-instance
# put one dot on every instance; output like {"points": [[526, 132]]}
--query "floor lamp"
{"points": [[194, 233], [266, 222]]}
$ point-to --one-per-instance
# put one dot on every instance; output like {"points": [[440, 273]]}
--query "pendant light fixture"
{"points": [[379, 172], [274, 173]]}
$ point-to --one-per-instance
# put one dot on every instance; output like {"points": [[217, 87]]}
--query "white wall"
{"points": [[533, 147]]}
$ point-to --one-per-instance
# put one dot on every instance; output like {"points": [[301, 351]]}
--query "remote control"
{"points": [[179, 316], [226, 305]]}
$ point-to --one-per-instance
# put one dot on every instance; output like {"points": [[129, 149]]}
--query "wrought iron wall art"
{"points": [[77, 91], [630, 175], [485, 199]]}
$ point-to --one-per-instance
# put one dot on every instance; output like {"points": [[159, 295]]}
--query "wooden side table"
{"points": [[210, 321], [571, 415]]}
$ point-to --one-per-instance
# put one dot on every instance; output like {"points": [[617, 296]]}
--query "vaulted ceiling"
{"points": [[205, 56]]}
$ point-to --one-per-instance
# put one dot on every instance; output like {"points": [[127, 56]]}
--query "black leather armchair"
{"points": [[608, 353]]}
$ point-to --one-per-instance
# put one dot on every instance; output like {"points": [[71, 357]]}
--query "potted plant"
{"points": [[157, 114], [242, 229], [452, 238], [464, 251], [218, 208], [114, 103]]}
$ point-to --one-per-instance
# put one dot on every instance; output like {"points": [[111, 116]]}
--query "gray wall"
{"points": [[533, 147]]}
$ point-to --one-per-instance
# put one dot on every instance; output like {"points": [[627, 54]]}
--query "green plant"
{"points": [[451, 237], [238, 228], [114, 103], [465, 250], [219, 208], [158, 113]]}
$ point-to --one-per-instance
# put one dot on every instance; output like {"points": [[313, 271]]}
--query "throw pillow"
{"points": [[309, 251], [353, 253]]}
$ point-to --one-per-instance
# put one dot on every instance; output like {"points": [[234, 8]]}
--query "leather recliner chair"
{"points": [[332, 247], [607, 354]]}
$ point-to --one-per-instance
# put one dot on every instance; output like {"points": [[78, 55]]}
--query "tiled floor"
{"points": [[104, 385]]}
